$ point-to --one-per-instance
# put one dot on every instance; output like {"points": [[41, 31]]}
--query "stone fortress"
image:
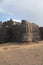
{"points": [[24, 31]]}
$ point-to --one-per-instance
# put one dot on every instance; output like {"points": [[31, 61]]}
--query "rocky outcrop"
{"points": [[11, 31]]}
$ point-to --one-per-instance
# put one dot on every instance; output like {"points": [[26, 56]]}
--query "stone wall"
{"points": [[41, 32], [11, 31]]}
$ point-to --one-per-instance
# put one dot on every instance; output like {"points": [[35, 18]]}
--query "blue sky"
{"points": [[31, 10]]}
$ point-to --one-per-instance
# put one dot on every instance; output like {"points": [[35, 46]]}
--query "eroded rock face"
{"points": [[16, 31], [41, 32], [4, 34]]}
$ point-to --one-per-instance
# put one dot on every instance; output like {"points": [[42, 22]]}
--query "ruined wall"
{"points": [[41, 32], [4, 34], [26, 31], [11, 31], [36, 32]]}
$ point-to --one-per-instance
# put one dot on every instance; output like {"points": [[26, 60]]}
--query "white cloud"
{"points": [[2, 10], [28, 9], [22, 6]]}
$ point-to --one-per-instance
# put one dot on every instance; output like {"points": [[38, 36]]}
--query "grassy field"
{"points": [[13, 54]]}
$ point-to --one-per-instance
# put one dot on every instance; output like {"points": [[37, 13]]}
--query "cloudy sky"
{"points": [[31, 10]]}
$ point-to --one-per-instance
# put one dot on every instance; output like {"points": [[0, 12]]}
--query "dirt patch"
{"points": [[31, 54]]}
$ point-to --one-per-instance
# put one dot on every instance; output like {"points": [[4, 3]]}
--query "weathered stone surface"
{"points": [[15, 31]]}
